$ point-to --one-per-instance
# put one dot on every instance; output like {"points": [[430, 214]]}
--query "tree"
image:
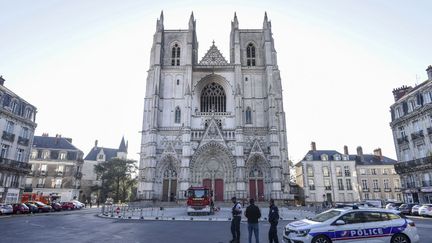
{"points": [[117, 180]]}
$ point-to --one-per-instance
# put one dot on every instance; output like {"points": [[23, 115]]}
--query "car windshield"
{"points": [[326, 215], [198, 193]]}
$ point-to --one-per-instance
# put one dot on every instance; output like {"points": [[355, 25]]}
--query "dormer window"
{"points": [[324, 157], [250, 55], [337, 157], [309, 157], [175, 55], [345, 157]]}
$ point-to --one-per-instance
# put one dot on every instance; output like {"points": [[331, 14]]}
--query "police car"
{"points": [[353, 225]]}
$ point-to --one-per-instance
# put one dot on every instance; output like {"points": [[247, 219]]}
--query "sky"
{"points": [[84, 64]]}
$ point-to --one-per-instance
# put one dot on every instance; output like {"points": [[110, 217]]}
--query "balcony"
{"points": [[398, 189], [28, 186], [387, 189], [23, 141], [417, 135], [78, 175], [365, 190], [416, 165], [8, 136], [403, 139], [327, 188], [40, 185], [377, 189], [410, 185], [59, 173], [57, 186], [15, 165], [43, 173], [312, 187]]}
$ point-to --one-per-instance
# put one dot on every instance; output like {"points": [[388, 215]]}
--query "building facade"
{"points": [[17, 124], [214, 123], [90, 180], [55, 168], [327, 177], [411, 124], [377, 177]]}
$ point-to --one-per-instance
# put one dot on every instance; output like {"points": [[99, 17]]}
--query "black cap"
{"points": [[233, 198]]}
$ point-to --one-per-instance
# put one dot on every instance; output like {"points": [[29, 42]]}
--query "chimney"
{"points": [[360, 151], [428, 70], [378, 153], [346, 150], [313, 146], [400, 92], [45, 134], [2, 80], [96, 142]]}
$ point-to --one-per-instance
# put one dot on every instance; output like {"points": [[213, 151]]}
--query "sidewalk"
{"points": [[179, 213]]}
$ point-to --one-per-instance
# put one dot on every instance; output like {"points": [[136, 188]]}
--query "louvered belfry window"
{"points": [[213, 98], [175, 55], [250, 55]]}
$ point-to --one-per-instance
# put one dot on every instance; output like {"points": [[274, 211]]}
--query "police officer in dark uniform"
{"points": [[273, 219], [235, 222]]}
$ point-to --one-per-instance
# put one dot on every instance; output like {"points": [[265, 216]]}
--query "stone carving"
{"points": [[213, 57]]}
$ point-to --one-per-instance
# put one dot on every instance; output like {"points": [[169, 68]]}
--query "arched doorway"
{"points": [[256, 183], [213, 166], [258, 177], [169, 184]]}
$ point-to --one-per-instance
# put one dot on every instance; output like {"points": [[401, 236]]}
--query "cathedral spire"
{"points": [[159, 23], [266, 24], [192, 21], [235, 23]]}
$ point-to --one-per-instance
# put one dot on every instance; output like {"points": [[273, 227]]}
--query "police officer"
{"points": [[273, 219], [235, 222]]}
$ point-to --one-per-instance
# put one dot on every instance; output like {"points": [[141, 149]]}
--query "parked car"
{"points": [[6, 209], [393, 205], [78, 204], [415, 209], [406, 208], [42, 207], [56, 206], [425, 210], [68, 205], [19, 208], [33, 208]]}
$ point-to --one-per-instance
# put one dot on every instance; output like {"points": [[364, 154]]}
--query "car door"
{"points": [[351, 231], [377, 227]]}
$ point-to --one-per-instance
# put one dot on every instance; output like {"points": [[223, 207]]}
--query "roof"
{"points": [[123, 146], [371, 159], [109, 153], [53, 143], [316, 154]]}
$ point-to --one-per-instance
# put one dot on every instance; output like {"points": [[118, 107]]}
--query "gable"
{"points": [[213, 57]]}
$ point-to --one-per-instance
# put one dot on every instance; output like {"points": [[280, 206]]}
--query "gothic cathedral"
{"points": [[212, 122]]}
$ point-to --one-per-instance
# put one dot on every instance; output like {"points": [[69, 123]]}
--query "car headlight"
{"points": [[303, 233]]}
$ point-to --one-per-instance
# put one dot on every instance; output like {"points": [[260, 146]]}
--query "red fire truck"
{"points": [[199, 200]]}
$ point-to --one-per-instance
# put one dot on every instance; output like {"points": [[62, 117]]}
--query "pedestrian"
{"points": [[97, 202], [253, 213], [273, 219], [235, 221]]}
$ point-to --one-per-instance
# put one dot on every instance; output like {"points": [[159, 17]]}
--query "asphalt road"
{"points": [[84, 226]]}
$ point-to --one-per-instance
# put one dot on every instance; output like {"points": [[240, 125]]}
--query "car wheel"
{"points": [[321, 239], [400, 238]]}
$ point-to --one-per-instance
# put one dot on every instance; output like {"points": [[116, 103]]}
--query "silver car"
{"points": [[6, 209]]}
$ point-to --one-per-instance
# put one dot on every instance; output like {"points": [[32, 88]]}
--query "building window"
{"points": [[311, 184], [399, 112], [373, 171], [347, 170], [386, 171], [362, 172], [58, 183], [10, 127], [340, 184], [177, 115], [327, 185], [248, 115], [399, 197], [45, 154], [43, 168], [4, 151], [250, 55], [396, 183], [25, 132], [310, 172], [348, 184], [20, 155], [324, 157], [386, 184], [326, 171], [375, 184], [178, 81], [337, 157], [62, 156], [338, 171], [364, 184], [14, 106], [213, 98], [28, 113], [175, 55], [366, 196]]}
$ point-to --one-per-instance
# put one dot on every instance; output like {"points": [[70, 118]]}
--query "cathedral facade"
{"points": [[213, 122]]}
